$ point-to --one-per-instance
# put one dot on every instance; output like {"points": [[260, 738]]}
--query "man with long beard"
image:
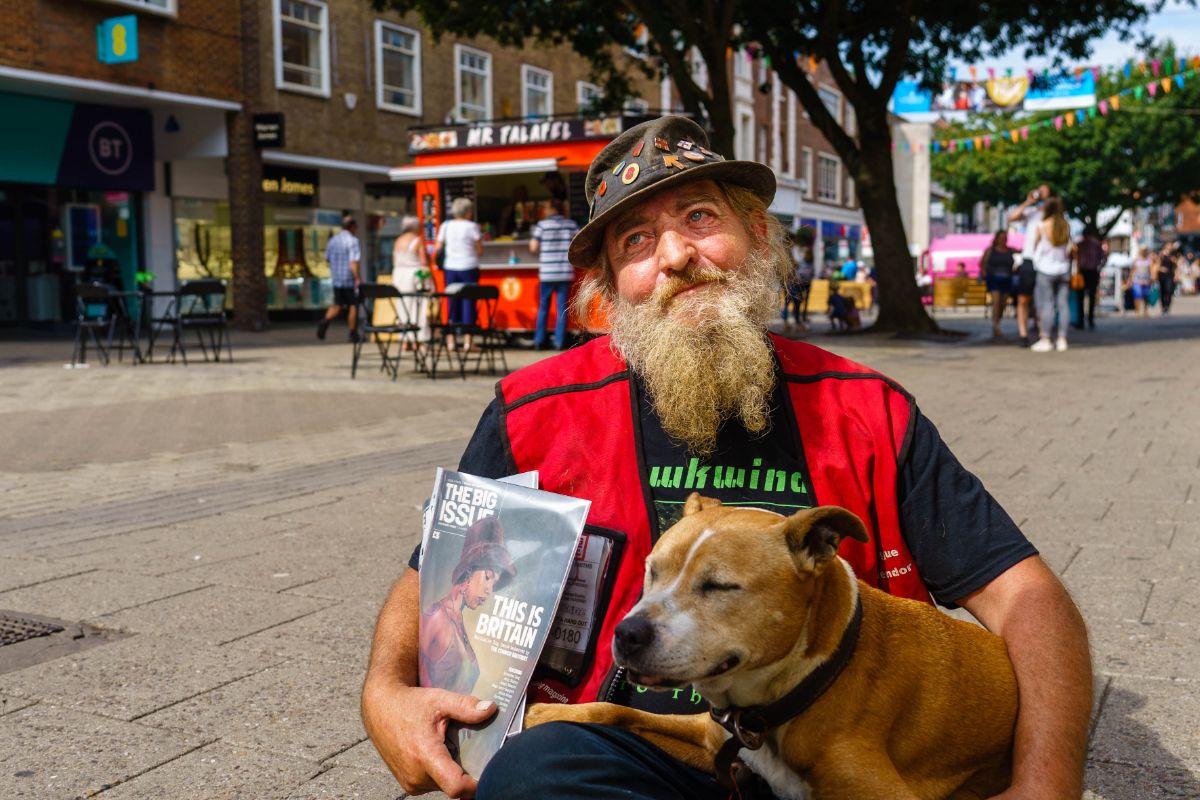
{"points": [[690, 393]]}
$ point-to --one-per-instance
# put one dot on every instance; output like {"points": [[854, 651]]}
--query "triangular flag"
{"points": [[987, 141], [1025, 133], [1104, 107], [953, 146], [812, 64], [1169, 66], [1196, 62], [972, 71], [1091, 112], [1138, 91], [1127, 70], [1142, 67], [1179, 80], [1008, 72], [1070, 120], [977, 142], [991, 73], [1155, 65], [1079, 115], [1152, 88], [1115, 101], [1166, 84], [937, 146], [1058, 123], [1095, 73], [1016, 136], [1078, 73], [1029, 74]]}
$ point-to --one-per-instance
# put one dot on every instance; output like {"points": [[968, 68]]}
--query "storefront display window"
{"points": [[294, 256], [203, 240]]}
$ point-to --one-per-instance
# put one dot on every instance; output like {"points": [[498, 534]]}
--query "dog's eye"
{"points": [[716, 586]]}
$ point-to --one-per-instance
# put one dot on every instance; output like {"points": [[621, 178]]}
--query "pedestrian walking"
{"points": [[1138, 282], [998, 264], [1164, 273], [460, 245], [1028, 215], [408, 262], [1052, 254], [796, 291], [1091, 255], [345, 259], [551, 239]]}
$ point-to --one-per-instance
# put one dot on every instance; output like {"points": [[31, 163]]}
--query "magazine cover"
{"points": [[492, 571]]}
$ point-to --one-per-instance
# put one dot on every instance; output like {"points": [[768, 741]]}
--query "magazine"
{"points": [[493, 566]]}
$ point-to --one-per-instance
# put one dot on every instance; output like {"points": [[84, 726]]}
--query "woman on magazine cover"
{"points": [[447, 659]]}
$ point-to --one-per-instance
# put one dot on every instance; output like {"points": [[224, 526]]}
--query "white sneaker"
{"points": [[1061, 344], [1042, 345]]}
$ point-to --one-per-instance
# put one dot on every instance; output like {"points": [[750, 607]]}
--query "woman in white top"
{"points": [[408, 258], [462, 242], [1052, 254]]}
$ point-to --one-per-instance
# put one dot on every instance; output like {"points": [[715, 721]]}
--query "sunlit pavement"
{"points": [[226, 532]]}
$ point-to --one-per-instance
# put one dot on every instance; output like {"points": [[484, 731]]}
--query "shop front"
{"points": [[510, 171], [72, 176]]}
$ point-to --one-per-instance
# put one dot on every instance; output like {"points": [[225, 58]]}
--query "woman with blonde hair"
{"points": [[1052, 256]]}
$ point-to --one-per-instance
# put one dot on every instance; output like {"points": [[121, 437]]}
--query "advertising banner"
{"points": [[957, 99]]}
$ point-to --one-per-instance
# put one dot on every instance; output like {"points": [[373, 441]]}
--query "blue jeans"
{"points": [[561, 760], [462, 312], [559, 289]]}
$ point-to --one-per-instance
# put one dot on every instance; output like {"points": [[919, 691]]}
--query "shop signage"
{"points": [[289, 181], [464, 137], [117, 40], [268, 130]]}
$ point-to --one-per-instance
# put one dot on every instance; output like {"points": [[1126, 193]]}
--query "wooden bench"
{"points": [[959, 293]]}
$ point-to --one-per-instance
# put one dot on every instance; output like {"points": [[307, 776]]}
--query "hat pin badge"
{"points": [[630, 174], [637, 148]]}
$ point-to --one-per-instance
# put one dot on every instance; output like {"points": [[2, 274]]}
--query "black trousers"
{"points": [[1091, 286], [1166, 290]]}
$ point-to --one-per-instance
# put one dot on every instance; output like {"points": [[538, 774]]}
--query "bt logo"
{"points": [[110, 147]]}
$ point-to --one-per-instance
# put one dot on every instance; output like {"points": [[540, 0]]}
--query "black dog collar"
{"points": [[749, 726]]}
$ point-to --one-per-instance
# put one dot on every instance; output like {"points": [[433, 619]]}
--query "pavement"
{"points": [[216, 540]]}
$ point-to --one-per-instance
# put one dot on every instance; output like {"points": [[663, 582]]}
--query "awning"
{"points": [[474, 169]]}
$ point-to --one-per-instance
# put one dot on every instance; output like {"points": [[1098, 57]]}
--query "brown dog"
{"points": [[751, 608]]}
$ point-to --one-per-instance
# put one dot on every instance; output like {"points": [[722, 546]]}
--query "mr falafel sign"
{"points": [[466, 137]]}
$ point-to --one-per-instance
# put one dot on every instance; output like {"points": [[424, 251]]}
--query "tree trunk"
{"points": [[245, 187], [900, 308]]}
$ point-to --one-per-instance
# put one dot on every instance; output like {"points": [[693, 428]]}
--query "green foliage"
{"points": [[1146, 152]]}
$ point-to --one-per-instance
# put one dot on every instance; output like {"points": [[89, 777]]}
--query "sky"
{"points": [[1177, 21]]}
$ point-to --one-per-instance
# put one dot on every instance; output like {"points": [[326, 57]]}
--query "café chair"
{"points": [[384, 317], [95, 319], [488, 340], [198, 306]]}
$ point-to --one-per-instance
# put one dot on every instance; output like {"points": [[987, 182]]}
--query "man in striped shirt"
{"points": [[551, 240], [344, 257]]}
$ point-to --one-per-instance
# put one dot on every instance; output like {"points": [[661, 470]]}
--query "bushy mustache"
{"points": [[692, 276]]}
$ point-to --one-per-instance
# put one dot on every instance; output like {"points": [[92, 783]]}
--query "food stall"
{"points": [[510, 169]]}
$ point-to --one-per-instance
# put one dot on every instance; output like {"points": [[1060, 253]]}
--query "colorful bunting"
{"points": [[1152, 88]]}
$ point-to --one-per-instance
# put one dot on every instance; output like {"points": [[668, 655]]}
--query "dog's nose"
{"points": [[633, 635]]}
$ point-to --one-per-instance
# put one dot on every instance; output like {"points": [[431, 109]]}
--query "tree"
{"points": [[1145, 152], [868, 45]]}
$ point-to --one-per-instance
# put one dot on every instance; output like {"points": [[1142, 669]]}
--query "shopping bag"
{"points": [[1075, 304], [1153, 301]]}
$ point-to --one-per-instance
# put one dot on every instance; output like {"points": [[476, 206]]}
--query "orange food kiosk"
{"points": [[510, 170]]}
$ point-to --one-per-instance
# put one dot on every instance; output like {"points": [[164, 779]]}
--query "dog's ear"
{"points": [[697, 503], [813, 535]]}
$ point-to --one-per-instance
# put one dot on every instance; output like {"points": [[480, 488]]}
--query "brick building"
{"points": [[190, 194]]}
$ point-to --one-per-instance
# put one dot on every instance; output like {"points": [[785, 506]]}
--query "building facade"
{"points": [[151, 166]]}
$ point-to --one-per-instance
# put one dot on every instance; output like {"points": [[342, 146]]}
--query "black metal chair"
{"points": [[95, 312], [385, 317], [487, 340], [199, 306]]}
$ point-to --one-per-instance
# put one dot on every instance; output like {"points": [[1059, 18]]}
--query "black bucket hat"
{"points": [[646, 159]]}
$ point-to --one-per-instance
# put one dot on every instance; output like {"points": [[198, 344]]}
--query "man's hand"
{"points": [[407, 724]]}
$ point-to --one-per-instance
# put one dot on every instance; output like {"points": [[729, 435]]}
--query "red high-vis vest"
{"points": [[573, 418]]}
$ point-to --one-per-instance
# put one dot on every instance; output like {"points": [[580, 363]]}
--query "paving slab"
{"points": [[272, 568], [17, 573], [132, 677], [213, 615], [219, 771], [51, 753], [303, 708], [362, 757], [1105, 781], [360, 579], [93, 593], [340, 783], [1175, 600], [1143, 649], [1148, 723], [340, 633], [1108, 598]]}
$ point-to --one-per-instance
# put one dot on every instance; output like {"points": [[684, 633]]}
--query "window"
{"points": [[397, 68], [832, 101], [302, 46], [637, 107], [587, 95], [166, 8], [829, 178], [743, 67], [472, 84], [851, 121], [849, 190], [537, 94], [807, 166], [743, 142]]}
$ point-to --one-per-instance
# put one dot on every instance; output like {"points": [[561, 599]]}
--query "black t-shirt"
{"points": [[959, 536]]}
